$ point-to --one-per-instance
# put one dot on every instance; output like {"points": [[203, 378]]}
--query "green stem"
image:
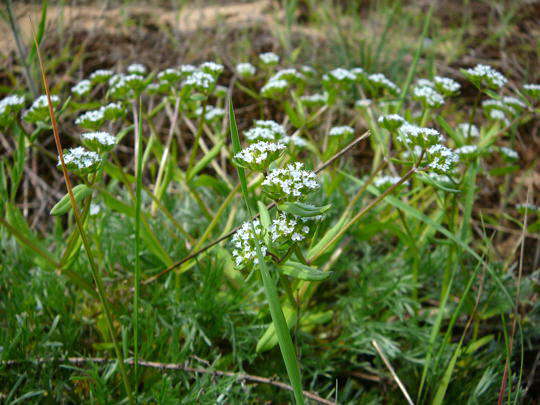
{"points": [[137, 120], [197, 136]]}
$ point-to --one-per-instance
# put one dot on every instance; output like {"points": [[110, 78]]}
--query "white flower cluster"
{"points": [[82, 88], [212, 113], [274, 87], [80, 159], [101, 75], [269, 58], [533, 89], [428, 96], [384, 182], [169, 75], [136, 69], [245, 69], [286, 228], [243, 241], [92, 118], [343, 130], [391, 121], [499, 115], [441, 159], [258, 156], [290, 75], [528, 207], [467, 129], [295, 140], [509, 153], [316, 99], [290, 183], [121, 84], [11, 102], [409, 134], [485, 76], [41, 102], [363, 103], [443, 179], [213, 68], [379, 80], [446, 85], [265, 129], [201, 81], [103, 138], [339, 75], [467, 151]]}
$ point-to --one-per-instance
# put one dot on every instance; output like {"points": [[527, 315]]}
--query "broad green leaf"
{"points": [[264, 215], [303, 210], [303, 272], [80, 192]]}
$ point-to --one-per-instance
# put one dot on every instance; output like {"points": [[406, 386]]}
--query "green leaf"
{"points": [[80, 192], [264, 215], [207, 158], [303, 272], [436, 184], [303, 210]]}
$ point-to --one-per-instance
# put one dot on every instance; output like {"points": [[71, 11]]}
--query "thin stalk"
{"points": [[278, 319], [197, 136], [137, 121], [95, 271]]}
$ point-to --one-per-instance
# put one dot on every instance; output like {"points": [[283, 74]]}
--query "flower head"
{"points": [[244, 244], [136, 69], [82, 88], [428, 96], [98, 141], [440, 159], [80, 161], [484, 76], [269, 58], [391, 122], [446, 86], [343, 130], [245, 70], [258, 156], [409, 134], [100, 76], [291, 183], [287, 229]]}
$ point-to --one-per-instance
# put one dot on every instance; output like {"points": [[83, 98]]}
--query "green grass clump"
{"points": [[333, 238]]}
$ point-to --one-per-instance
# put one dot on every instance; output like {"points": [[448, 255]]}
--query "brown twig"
{"points": [[270, 206], [170, 366]]}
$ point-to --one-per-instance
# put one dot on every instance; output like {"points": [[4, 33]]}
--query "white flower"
{"points": [[362, 103], [441, 159], [136, 69], [290, 75], [380, 80], [483, 75], [266, 130], [410, 134], [428, 96], [514, 103], [287, 228], [528, 207], [424, 83], [91, 117], [212, 113], [41, 102], [186, 70], [532, 89], [446, 85], [391, 122], [169, 75], [274, 87], [509, 153], [200, 80], [295, 140], [80, 159], [269, 58], [341, 131], [467, 129], [341, 75], [94, 209], [11, 102], [212, 68], [467, 150], [498, 115], [100, 75], [103, 138], [82, 88], [245, 69], [387, 181], [315, 99], [244, 244], [259, 155], [290, 183]]}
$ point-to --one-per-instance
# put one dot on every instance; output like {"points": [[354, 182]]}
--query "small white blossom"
{"points": [[446, 85], [391, 122], [467, 129], [245, 69], [269, 58], [212, 113], [315, 99], [290, 75], [101, 75], [41, 101], [80, 159], [136, 69], [363, 103], [483, 75], [82, 88], [409, 134], [467, 150], [200, 80], [509, 153], [340, 75], [384, 182], [380, 80], [212, 68], [441, 159], [498, 115], [295, 140], [287, 228], [244, 244], [290, 183], [274, 87], [92, 118], [428, 96], [343, 130], [11, 102], [259, 155], [532, 89]]}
